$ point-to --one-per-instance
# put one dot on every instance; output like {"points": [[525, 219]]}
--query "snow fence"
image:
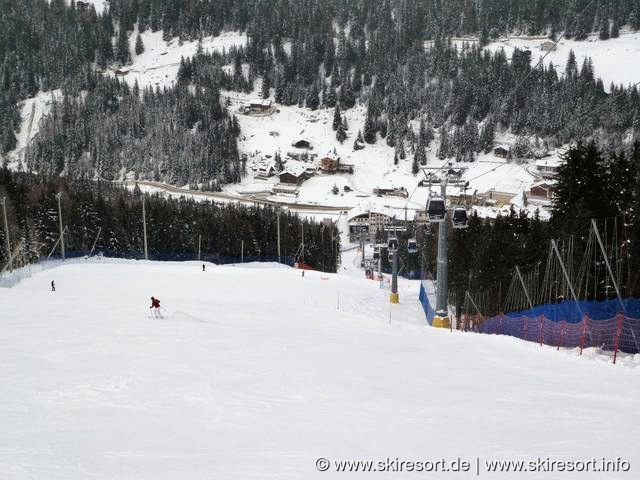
{"points": [[426, 306], [573, 312], [569, 324], [11, 279], [618, 333]]}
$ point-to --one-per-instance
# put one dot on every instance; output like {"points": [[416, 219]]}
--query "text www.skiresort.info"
{"points": [[476, 466]]}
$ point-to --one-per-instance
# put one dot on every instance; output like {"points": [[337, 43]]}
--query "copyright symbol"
{"points": [[322, 464]]}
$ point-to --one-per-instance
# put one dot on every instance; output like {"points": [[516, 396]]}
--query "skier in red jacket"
{"points": [[155, 306]]}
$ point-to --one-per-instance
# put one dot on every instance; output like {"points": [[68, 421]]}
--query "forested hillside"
{"points": [[108, 218], [313, 54], [171, 135]]}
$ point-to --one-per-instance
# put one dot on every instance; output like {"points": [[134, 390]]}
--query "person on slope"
{"points": [[155, 307]]}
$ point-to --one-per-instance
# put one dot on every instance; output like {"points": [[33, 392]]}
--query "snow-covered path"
{"points": [[255, 372]]}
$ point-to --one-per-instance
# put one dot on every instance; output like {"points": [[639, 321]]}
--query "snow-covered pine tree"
{"points": [[337, 119], [139, 48], [341, 135]]}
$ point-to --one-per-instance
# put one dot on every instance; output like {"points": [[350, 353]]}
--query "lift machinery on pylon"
{"points": [[437, 214]]}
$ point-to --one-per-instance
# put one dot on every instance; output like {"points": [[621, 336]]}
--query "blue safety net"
{"points": [[572, 312]]}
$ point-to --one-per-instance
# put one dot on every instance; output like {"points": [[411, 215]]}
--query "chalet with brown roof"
{"points": [[502, 151], [329, 165], [334, 165], [542, 190], [293, 175]]}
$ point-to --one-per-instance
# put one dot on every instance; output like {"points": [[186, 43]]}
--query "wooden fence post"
{"points": [[619, 322], [583, 337], [561, 338], [540, 329]]}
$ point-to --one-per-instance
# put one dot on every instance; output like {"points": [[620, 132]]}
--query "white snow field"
{"points": [[614, 60], [256, 372]]}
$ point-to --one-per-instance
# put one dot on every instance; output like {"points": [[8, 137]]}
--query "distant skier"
{"points": [[203, 267], [155, 307], [53, 286]]}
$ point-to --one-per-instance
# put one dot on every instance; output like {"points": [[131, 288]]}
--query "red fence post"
{"points": [[540, 328], [619, 322], [561, 337], [583, 337]]}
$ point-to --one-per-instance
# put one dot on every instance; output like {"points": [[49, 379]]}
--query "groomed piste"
{"points": [[257, 372]]}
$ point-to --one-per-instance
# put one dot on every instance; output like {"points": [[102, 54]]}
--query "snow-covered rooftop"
{"points": [[373, 205], [552, 161], [295, 168]]}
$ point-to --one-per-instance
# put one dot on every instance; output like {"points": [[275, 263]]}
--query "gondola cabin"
{"points": [[376, 253], [412, 246], [393, 245], [436, 209], [460, 219]]}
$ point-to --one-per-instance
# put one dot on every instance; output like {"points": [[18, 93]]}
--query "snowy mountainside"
{"points": [[263, 136], [257, 372]]}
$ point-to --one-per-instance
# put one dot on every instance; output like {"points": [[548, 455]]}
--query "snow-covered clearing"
{"points": [[614, 61], [99, 5], [157, 66], [256, 372], [33, 110]]}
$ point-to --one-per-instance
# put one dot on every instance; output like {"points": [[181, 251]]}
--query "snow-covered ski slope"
{"points": [[614, 60], [256, 372]]}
